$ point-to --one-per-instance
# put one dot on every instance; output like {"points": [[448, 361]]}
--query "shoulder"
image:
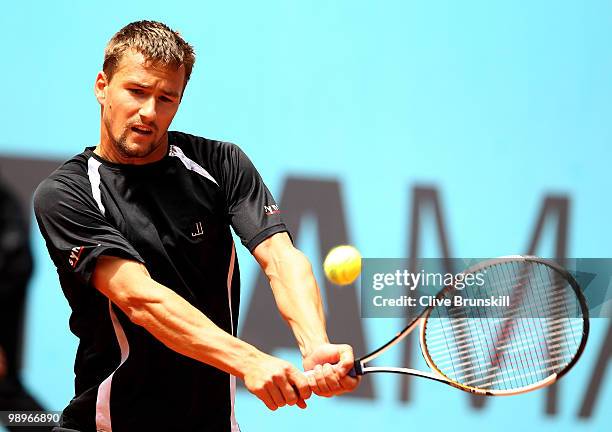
{"points": [[69, 180], [222, 159], [201, 147]]}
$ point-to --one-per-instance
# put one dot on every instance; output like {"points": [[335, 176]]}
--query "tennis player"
{"points": [[139, 230]]}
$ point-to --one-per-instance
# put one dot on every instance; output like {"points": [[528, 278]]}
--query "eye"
{"points": [[136, 91], [166, 99]]}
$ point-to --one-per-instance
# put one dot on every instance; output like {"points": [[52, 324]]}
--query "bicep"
{"points": [[281, 261], [271, 251]]}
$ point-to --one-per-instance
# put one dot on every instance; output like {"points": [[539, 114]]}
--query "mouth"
{"points": [[141, 129]]}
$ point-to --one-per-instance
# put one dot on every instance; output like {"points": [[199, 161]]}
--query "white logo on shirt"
{"points": [[271, 209], [198, 230], [75, 255]]}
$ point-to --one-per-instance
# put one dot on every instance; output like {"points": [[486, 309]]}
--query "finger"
{"points": [[286, 389], [349, 383], [276, 395], [302, 404], [301, 384], [323, 389], [265, 397], [312, 379], [347, 360], [331, 378], [301, 387]]}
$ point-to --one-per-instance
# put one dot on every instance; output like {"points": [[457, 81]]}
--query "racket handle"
{"points": [[357, 369]]}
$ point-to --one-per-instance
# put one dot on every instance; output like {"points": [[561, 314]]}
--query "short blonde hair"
{"points": [[156, 41]]}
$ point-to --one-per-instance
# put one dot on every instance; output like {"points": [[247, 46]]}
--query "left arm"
{"points": [[299, 302]]}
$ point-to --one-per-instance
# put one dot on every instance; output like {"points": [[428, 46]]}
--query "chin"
{"points": [[136, 149]]}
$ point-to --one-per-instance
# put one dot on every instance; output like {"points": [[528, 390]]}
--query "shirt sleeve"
{"points": [[252, 210], [75, 230]]}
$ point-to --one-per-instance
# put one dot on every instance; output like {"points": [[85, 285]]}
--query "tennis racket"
{"points": [[536, 340]]}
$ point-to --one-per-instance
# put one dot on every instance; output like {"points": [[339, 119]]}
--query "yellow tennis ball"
{"points": [[342, 265]]}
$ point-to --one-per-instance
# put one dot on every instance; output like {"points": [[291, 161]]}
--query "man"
{"points": [[139, 229], [15, 272]]}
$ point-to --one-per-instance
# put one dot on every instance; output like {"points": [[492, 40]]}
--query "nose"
{"points": [[147, 110]]}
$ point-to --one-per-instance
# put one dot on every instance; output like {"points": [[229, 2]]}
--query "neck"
{"points": [[110, 151]]}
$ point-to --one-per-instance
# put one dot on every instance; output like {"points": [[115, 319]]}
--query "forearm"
{"points": [[297, 296], [173, 320], [186, 330]]}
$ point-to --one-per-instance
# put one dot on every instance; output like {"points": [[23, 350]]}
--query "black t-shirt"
{"points": [[174, 216]]}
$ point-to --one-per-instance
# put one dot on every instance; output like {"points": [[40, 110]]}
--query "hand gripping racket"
{"points": [[530, 344]]}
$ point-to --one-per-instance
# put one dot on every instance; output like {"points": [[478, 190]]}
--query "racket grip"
{"points": [[356, 370]]}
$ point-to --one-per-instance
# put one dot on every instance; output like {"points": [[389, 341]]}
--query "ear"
{"points": [[100, 87]]}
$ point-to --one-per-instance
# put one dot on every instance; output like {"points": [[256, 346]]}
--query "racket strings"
{"points": [[531, 340]]}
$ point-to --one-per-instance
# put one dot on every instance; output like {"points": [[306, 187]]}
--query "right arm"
{"points": [[185, 329]]}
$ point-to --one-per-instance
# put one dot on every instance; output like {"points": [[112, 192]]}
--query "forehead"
{"points": [[133, 66]]}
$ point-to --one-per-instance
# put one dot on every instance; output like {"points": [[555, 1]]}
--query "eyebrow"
{"points": [[147, 86]]}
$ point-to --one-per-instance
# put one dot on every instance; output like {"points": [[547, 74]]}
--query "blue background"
{"points": [[496, 103]]}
